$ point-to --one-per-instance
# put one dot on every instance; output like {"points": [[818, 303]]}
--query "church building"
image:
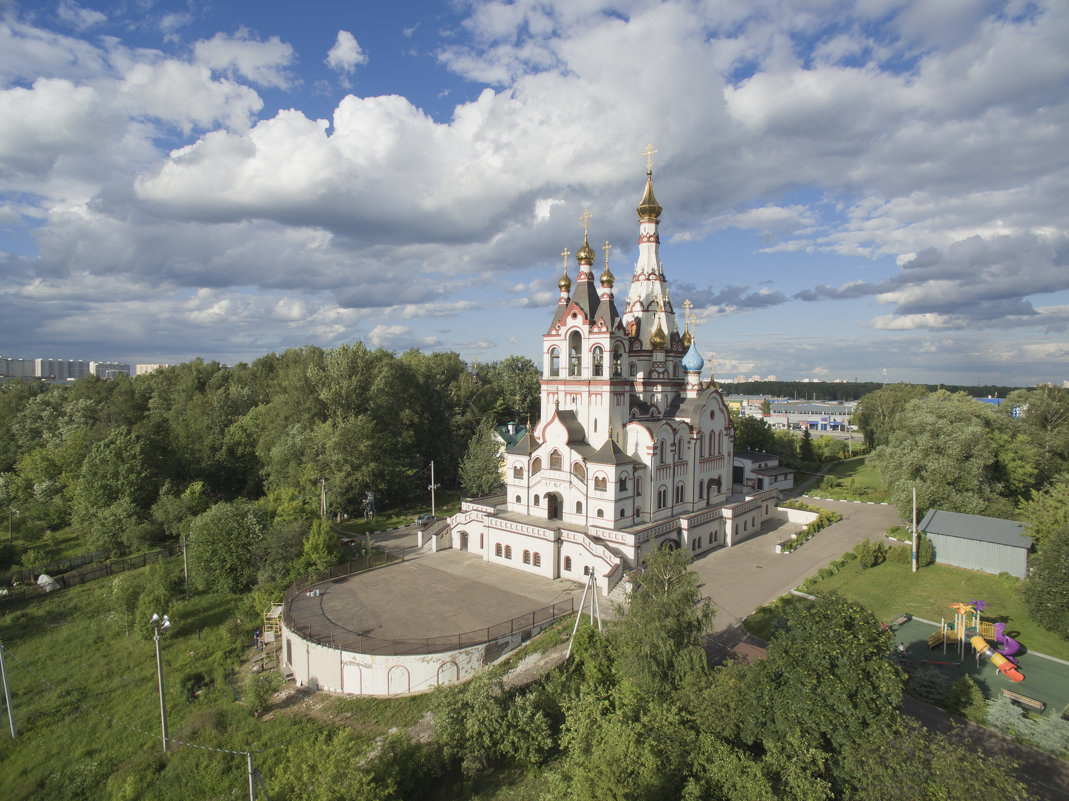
{"points": [[633, 450]]}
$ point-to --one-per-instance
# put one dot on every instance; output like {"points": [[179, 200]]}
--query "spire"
{"points": [[649, 208]]}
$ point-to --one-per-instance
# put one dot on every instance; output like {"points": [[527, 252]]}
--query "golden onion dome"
{"points": [[686, 339], [607, 278], [565, 283], [658, 339], [585, 255], [649, 208]]}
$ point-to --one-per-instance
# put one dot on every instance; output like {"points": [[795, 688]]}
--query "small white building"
{"points": [[757, 470], [633, 450]]}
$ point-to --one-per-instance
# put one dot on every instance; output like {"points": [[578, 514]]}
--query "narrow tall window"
{"points": [[617, 362], [599, 361], [554, 363], [554, 460], [537, 559], [575, 354]]}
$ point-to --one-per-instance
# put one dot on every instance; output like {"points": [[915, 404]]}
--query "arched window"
{"points": [[497, 549], [554, 363], [578, 507], [568, 563], [536, 500], [679, 492], [712, 443], [536, 466], [601, 483], [662, 497], [617, 362], [508, 551], [579, 471], [675, 371], [638, 485], [679, 450], [537, 559], [660, 456], [517, 472], [623, 483], [527, 557], [622, 513], [701, 490], [599, 361], [518, 500], [634, 369], [575, 354], [720, 442], [601, 513], [554, 460]]}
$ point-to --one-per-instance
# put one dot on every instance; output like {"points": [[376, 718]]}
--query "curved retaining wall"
{"points": [[334, 670]]}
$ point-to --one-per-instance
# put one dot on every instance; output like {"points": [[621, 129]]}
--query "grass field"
{"points": [[891, 589], [87, 709], [857, 480]]}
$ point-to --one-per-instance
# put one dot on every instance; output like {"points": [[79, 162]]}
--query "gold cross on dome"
{"points": [[649, 157], [565, 254], [607, 248], [687, 306], [585, 217]]}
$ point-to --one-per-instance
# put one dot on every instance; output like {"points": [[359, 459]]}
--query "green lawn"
{"points": [[446, 504], [890, 590], [857, 480]]}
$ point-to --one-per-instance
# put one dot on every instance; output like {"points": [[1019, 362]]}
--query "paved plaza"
{"points": [[427, 596]]}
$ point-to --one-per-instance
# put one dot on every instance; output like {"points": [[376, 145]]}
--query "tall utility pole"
{"points": [[432, 488], [185, 565], [7, 695], [157, 627], [914, 529]]}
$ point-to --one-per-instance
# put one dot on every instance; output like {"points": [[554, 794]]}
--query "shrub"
{"points": [[964, 698], [925, 551], [849, 556], [900, 554], [930, 685], [261, 687], [824, 573]]}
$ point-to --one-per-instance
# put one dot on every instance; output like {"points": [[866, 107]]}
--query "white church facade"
{"points": [[633, 450]]}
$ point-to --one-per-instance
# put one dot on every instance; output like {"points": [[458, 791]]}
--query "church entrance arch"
{"points": [[554, 506]]}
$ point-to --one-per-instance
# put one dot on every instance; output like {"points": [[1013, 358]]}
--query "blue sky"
{"points": [[850, 189]]}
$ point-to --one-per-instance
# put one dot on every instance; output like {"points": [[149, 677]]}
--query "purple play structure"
{"points": [[1007, 646]]}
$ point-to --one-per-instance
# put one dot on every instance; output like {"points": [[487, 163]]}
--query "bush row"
{"points": [[825, 517]]}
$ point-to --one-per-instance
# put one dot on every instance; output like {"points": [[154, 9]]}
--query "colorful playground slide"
{"points": [[1007, 645], [997, 659]]}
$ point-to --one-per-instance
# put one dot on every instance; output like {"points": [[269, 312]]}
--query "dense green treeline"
{"points": [[850, 391], [125, 460]]}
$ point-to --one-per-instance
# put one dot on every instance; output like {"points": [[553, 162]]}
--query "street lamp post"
{"points": [[159, 626], [432, 487]]}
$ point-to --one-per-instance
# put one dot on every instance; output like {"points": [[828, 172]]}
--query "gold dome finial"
{"points": [[607, 278], [649, 208], [565, 283], [585, 255]]}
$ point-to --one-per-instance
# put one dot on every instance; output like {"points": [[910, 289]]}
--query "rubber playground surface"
{"points": [[1045, 679]]}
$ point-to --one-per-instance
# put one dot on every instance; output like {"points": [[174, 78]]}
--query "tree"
{"points": [[832, 653], [222, 543], [480, 471], [766, 407], [1047, 512], [658, 642], [116, 469], [945, 449], [876, 415], [753, 434], [321, 548], [805, 450], [1043, 415], [1046, 589]]}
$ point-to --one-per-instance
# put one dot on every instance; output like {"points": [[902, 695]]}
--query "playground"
{"points": [[1037, 683]]}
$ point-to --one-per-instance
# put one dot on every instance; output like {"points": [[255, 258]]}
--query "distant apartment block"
{"points": [[11, 367], [108, 369], [145, 369]]}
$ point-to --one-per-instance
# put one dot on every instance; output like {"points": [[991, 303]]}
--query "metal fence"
{"points": [[301, 596], [27, 589]]}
